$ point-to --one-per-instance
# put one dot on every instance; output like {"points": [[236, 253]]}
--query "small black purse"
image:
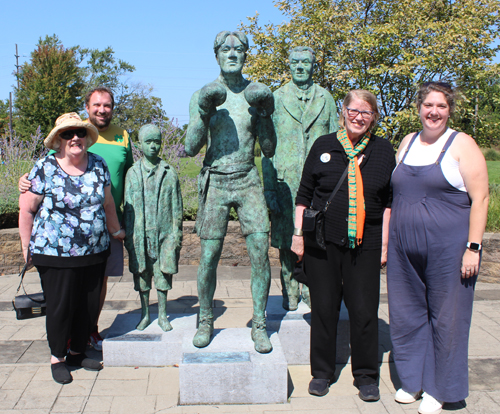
{"points": [[28, 305], [313, 221]]}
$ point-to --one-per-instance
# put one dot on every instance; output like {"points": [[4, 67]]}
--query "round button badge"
{"points": [[325, 157]]}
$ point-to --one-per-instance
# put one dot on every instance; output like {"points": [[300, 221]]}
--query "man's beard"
{"points": [[99, 123]]}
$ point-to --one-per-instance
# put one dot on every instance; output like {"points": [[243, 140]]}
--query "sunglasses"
{"points": [[445, 85], [70, 133]]}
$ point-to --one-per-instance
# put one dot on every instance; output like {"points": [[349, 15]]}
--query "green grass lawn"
{"points": [[493, 171]]}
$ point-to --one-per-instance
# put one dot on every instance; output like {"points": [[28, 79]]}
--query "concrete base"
{"points": [[230, 371], [125, 346], [294, 331]]}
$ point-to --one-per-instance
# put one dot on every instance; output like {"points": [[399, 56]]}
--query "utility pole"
{"points": [[10, 115], [17, 67]]}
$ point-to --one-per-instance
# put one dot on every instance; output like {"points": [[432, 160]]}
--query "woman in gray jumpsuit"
{"points": [[439, 211]]}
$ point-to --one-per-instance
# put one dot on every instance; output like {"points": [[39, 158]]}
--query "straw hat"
{"points": [[70, 120]]}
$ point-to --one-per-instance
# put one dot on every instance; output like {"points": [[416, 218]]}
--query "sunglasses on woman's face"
{"points": [[70, 133]]}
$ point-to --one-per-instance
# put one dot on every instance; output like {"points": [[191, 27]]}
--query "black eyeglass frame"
{"points": [[357, 112]]}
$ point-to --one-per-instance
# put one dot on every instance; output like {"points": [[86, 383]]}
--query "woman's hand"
{"points": [[27, 257], [298, 246], [383, 257], [24, 184], [120, 235], [470, 264]]}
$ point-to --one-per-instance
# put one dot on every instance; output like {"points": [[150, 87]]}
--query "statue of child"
{"points": [[153, 224]]}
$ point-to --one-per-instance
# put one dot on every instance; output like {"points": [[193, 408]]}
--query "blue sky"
{"points": [[169, 42]]}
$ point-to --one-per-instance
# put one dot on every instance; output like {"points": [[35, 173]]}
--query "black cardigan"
{"points": [[319, 180]]}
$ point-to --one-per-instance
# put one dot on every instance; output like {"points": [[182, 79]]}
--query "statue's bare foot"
{"points": [[204, 333], [260, 338], [291, 303], [164, 323], [144, 323]]}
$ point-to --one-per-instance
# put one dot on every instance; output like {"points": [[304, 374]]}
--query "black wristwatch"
{"points": [[475, 247]]}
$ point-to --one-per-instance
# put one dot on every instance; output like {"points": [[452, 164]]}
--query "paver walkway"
{"points": [[26, 385]]}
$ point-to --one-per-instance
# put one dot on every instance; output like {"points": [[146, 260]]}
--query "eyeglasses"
{"points": [[354, 113], [70, 133]]}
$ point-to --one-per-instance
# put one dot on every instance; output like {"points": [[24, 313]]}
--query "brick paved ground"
{"points": [[26, 385]]}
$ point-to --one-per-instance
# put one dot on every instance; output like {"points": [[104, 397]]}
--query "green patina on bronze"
{"points": [[303, 112], [227, 115], [153, 224]]}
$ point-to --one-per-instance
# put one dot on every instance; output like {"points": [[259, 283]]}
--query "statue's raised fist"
{"points": [[260, 96], [211, 96]]}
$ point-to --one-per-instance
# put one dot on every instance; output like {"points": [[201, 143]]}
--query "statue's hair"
{"points": [[365, 96], [222, 36], [100, 89], [148, 129], [302, 49]]}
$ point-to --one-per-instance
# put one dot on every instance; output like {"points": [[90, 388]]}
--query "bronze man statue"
{"points": [[153, 224], [227, 115], [303, 112]]}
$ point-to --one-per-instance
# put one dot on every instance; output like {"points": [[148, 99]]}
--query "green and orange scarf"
{"points": [[356, 217]]}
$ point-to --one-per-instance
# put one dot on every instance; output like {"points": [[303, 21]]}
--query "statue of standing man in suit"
{"points": [[303, 112]]}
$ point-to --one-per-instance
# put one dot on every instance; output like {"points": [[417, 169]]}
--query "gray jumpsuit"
{"points": [[430, 305]]}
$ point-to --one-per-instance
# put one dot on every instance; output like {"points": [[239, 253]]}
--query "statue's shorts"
{"points": [[241, 190], [142, 281]]}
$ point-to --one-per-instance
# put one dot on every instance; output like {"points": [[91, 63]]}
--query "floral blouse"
{"points": [[70, 220]]}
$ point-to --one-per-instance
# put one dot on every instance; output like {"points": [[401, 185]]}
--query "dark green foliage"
{"points": [[49, 85], [492, 155]]}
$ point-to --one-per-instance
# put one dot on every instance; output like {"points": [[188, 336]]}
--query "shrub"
{"points": [[492, 155], [493, 223], [17, 158]]}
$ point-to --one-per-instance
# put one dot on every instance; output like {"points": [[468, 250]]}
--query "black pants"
{"points": [[72, 297], [352, 274]]}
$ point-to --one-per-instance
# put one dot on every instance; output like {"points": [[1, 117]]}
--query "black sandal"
{"points": [[60, 373], [81, 360]]}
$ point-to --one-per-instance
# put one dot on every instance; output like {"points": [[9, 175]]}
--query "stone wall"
{"points": [[234, 252]]}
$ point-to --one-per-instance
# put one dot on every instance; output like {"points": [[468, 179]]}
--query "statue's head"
{"points": [[302, 60], [231, 51], [150, 141]]}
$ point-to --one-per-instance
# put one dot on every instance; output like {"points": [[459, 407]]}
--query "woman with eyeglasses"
{"points": [[356, 245], [63, 222], [438, 219]]}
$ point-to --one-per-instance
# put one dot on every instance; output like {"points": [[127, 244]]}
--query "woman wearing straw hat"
{"points": [[63, 223]]}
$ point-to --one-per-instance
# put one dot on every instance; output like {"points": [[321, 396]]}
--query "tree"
{"points": [[100, 68], [135, 104], [49, 85], [56, 79], [4, 115], [386, 46]]}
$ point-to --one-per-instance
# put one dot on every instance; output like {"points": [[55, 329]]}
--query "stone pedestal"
{"points": [[124, 346], [230, 371], [294, 331]]}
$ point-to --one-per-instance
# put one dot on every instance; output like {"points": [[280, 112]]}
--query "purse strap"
{"points": [[21, 274], [344, 175]]}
